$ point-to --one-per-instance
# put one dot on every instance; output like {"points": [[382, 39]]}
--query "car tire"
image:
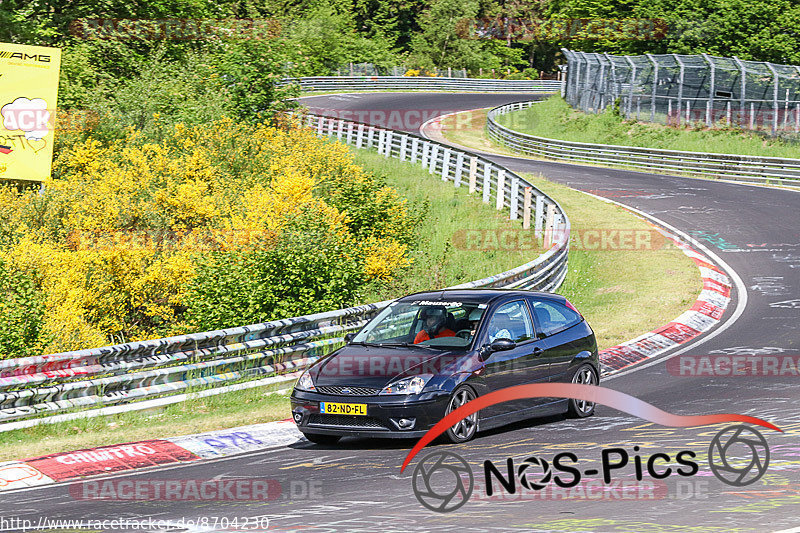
{"points": [[465, 429], [585, 375], [322, 439]]}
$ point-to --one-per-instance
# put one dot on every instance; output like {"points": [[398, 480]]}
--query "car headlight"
{"points": [[305, 383], [412, 385]]}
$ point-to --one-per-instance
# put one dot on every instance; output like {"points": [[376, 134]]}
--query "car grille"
{"points": [[344, 421], [354, 391]]}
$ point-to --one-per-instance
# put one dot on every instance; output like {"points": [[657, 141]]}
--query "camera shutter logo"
{"points": [[735, 470], [523, 475], [439, 481]]}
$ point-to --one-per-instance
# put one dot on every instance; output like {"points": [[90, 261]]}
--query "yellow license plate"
{"points": [[343, 408]]}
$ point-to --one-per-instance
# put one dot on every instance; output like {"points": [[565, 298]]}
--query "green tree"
{"points": [[21, 314]]}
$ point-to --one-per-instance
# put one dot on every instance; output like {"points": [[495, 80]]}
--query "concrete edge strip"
{"points": [[705, 314], [75, 465]]}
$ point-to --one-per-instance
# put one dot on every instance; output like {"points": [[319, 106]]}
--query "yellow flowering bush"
{"points": [[212, 226]]}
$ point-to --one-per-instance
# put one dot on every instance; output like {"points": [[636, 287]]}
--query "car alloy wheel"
{"points": [[581, 408], [465, 429]]}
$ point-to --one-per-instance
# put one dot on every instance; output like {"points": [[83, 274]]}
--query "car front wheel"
{"points": [[580, 408], [464, 429]]}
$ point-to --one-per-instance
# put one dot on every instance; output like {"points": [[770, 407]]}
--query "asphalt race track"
{"points": [[357, 485]]}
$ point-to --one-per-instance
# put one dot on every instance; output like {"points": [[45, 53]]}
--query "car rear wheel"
{"points": [[322, 439], [464, 429], [580, 408]]}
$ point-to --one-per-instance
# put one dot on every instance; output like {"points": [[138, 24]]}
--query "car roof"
{"points": [[484, 296]]}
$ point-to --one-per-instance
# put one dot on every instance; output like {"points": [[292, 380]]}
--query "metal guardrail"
{"points": [[745, 168], [420, 83], [99, 377]]}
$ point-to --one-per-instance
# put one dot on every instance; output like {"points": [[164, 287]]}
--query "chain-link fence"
{"points": [[679, 89]]}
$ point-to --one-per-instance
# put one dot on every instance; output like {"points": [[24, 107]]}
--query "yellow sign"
{"points": [[28, 91]]}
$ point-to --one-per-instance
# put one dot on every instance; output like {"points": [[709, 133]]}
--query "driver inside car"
{"points": [[434, 325]]}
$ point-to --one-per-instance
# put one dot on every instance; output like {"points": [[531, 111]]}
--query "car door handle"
{"points": [[537, 351]]}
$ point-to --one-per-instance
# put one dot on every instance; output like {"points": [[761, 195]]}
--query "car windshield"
{"points": [[437, 324]]}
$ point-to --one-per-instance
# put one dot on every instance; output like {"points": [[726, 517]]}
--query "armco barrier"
{"points": [[49, 384], [744, 168], [418, 83]]}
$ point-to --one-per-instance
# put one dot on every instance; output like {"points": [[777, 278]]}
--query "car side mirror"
{"points": [[349, 336], [498, 345]]}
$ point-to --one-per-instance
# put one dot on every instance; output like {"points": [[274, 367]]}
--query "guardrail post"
{"points": [[680, 86], [633, 82], [381, 137], [426, 148], [360, 136], [370, 136], [414, 148], [403, 143], [797, 118], [538, 219], [487, 181], [320, 125], [549, 225], [340, 129], [473, 173], [526, 208], [514, 198], [350, 132], [653, 92], [742, 89], [501, 189], [434, 152], [775, 105], [459, 168], [710, 102], [330, 127], [389, 138], [446, 164]]}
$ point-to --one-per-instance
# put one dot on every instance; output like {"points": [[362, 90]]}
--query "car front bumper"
{"points": [[383, 419]]}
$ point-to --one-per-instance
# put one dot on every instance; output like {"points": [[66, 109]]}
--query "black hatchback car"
{"points": [[429, 353]]}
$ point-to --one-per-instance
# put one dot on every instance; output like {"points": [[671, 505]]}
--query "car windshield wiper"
{"points": [[364, 343], [407, 345]]}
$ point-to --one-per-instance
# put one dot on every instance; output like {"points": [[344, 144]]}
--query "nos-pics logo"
{"points": [[443, 481]]}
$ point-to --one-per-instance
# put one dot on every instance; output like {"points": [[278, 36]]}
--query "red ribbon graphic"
{"points": [[590, 393]]}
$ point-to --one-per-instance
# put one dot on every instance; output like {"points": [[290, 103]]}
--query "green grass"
{"points": [[468, 129], [555, 119], [622, 293], [439, 261]]}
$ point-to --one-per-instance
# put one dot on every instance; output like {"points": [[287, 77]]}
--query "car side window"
{"points": [[553, 317], [511, 321]]}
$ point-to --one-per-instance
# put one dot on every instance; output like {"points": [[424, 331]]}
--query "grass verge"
{"points": [[441, 260], [555, 119], [623, 293], [658, 285]]}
